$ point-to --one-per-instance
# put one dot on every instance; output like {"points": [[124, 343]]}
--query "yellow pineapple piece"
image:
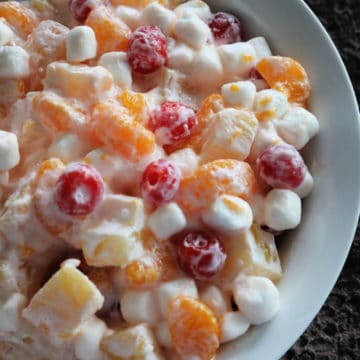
{"points": [[229, 135], [251, 252], [66, 300]]}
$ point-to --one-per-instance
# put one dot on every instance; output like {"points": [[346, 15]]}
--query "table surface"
{"points": [[335, 332]]}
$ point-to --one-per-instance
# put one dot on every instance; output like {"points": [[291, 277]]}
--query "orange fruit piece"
{"points": [[111, 33], [135, 103], [193, 327], [46, 210], [218, 177], [286, 75], [116, 128], [145, 271], [20, 17]]}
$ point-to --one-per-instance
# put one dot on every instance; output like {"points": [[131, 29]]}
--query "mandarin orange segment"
{"points": [[135, 103], [193, 327], [218, 177], [286, 75], [117, 129], [20, 17], [111, 33], [145, 271]]}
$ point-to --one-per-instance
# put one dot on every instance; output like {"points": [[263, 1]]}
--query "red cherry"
{"points": [[226, 28], [200, 254], [79, 189], [80, 9], [172, 123], [147, 50], [160, 182], [281, 166]]}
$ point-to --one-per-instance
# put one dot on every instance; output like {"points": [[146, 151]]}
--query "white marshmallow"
{"points": [[129, 15], [238, 59], [181, 56], [116, 62], [270, 104], [215, 299], [14, 62], [241, 93], [6, 34], [297, 127], [282, 209], [137, 342], [186, 160], [87, 342], [206, 62], [170, 290], [9, 150], [157, 15], [163, 335], [261, 47], [192, 31], [229, 214], [257, 297], [81, 44], [138, 306], [68, 147], [305, 188], [166, 221], [232, 325], [10, 318], [196, 7]]}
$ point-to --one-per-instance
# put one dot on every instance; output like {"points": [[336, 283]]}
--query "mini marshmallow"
{"points": [[232, 325], [270, 104], [196, 7], [14, 62], [191, 31], [229, 214], [297, 127], [186, 160], [157, 15], [10, 318], [117, 63], [129, 15], [6, 34], [206, 62], [9, 150], [257, 297], [138, 306], [261, 47], [215, 299], [241, 93], [180, 56], [68, 147], [163, 335], [81, 44], [87, 342], [305, 188], [166, 221], [170, 290], [238, 58], [282, 209]]}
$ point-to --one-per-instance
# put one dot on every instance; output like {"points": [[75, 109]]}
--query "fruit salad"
{"points": [[150, 156]]}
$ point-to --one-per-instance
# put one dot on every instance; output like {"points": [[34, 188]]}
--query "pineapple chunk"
{"points": [[252, 252], [229, 136], [66, 300], [114, 236], [136, 342], [79, 81]]}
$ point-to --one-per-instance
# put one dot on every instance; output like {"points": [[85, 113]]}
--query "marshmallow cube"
{"points": [[186, 160], [241, 93], [9, 150], [157, 15], [116, 62], [261, 47], [129, 15], [270, 104], [163, 334], [14, 62], [81, 44], [305, 188], [232, 325], [6, 34], [215, 299], [181, 56], [257, 297], [196, 7]]}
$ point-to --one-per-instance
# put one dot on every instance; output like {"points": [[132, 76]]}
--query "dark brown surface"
{"points": [[335, 332]]}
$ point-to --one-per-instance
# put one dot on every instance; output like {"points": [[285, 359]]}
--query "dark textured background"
{"points": [[335, 332]]}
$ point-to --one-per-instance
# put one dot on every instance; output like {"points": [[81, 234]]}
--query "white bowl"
{"points": [[313, 256]]}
